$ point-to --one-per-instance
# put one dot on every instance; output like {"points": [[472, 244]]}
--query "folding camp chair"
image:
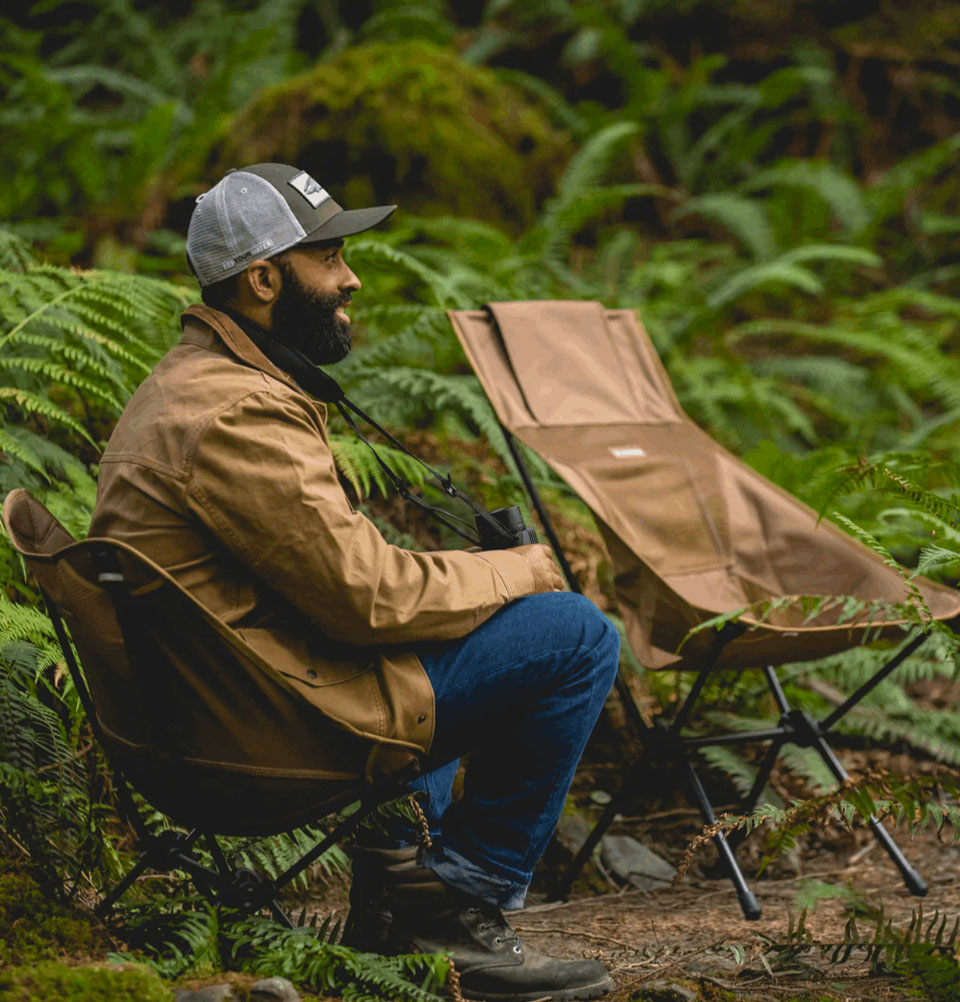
{"points": [[192, 719], [693, 533]]}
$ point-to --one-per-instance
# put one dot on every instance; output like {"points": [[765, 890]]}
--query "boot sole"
{"points": [[560, 995]]}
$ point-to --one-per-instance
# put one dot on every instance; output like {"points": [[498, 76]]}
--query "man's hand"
{"points": [[546, 574]]}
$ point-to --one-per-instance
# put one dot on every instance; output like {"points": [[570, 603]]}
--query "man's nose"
{"points": [[351, 282]]}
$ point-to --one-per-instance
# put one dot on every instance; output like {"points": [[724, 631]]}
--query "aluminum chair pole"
{"points": [[827, 723], [916, 885], [640, 726], [541, 511], [627, 787], [748, 901]]}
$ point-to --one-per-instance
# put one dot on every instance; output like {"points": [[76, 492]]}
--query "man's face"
{"points": [[310, 311]]}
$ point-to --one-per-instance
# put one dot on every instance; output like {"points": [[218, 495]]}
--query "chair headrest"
{"points": [[31, 528]]}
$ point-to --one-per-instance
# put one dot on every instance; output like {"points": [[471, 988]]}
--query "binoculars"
{"points": [[513, 531]]}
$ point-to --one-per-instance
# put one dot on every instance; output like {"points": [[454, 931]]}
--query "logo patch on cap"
{"points": [[309, 188]]}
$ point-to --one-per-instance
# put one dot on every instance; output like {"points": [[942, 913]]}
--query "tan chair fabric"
{"points": [[199, 723], [692, 531]]}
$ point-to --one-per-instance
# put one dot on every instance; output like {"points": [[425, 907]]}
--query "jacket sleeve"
{"points": [[263, 480]]}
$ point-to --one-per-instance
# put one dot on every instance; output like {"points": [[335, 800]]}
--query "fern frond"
{"points": [[937, 560], [436, 393], [444, 291], [15, 254], [744, 217], [766, 273], [915, 596], [35, 404], [734, 766], [54, 372], [358, 464], [823, 179]]}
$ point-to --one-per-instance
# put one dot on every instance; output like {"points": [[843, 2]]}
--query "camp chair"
{"points": [[193, 719], [692, 532]]}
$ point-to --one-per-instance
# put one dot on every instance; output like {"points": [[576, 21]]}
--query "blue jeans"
{"points": [[521, 693]]}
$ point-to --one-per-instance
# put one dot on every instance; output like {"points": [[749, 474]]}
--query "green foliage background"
{"points": [[772, 184]]}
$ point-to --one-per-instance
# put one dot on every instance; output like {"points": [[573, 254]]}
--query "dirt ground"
{"points": [[690, 941], [694, 936]]}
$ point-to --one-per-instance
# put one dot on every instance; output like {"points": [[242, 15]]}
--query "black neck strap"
{"points": [[323, 386]]}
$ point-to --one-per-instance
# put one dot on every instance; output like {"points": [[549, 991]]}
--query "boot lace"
{"points": [[492, 918]]}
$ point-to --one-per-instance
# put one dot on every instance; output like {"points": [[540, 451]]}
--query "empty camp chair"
{"points": [[193, 719], [693, 533]]}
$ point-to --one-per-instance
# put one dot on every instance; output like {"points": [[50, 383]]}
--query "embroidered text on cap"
{"points": [[311, 191]]}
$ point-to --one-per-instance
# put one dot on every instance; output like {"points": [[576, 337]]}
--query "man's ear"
{"points": [[263, 281]]}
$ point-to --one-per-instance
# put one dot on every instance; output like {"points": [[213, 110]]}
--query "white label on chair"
{"points": [[626, 453]]}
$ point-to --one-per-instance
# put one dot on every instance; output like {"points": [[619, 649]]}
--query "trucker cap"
{"points": [[262, 210]]}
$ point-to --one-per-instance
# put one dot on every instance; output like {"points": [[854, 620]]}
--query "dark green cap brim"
{"points": [[349, 222]]}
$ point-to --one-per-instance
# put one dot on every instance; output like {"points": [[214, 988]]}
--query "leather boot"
{"points": [[368, 923], [430, 916]]}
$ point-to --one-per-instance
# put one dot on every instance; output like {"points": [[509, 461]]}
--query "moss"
{"points": [[56, 982], [404, 121], [36, 928]]}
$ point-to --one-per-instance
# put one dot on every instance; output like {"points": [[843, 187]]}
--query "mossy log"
{"points": [[407, 122]]}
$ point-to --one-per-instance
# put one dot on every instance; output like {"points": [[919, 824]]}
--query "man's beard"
{"points": [[308, 321]]}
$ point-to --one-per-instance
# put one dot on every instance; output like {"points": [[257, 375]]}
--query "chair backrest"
{"points": [[202, 726], [693, 532]]}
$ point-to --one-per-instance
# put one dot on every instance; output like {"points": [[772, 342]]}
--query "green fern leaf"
{"points": [[762, 275], [823, 179], [744, 217]]}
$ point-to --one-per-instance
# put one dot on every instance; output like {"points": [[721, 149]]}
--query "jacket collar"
{"points": [[230, 335]]}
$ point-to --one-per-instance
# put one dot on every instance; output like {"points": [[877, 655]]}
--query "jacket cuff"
{"points": [[513, 571]]}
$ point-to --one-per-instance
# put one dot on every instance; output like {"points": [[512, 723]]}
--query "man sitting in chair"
{"points": [[220, 470]]}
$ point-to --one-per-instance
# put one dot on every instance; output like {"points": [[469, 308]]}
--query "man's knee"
{"points": [[595, 635]]}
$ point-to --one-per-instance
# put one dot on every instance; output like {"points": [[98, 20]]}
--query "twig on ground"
{"points": [[862, 853], [606, 875], [564, 931], [686, 958]]}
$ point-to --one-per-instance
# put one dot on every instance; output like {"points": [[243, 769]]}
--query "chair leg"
{"points": [[748, 901], [916, 885], [158, 852], [562, 886], [143, 861], [243, 890], [342, 830], [736, 837]]}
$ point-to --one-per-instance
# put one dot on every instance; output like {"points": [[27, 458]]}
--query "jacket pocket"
{"points": [[308, 660]]}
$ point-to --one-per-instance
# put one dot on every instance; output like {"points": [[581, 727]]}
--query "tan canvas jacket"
{"points": [[220, 471]]}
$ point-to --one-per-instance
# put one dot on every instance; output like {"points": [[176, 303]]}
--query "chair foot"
{"points": [[749, 905], [915, 884], [748, 902]]}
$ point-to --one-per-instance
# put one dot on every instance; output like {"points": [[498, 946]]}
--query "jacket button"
{"points": [[421, 718], [311, 673]]}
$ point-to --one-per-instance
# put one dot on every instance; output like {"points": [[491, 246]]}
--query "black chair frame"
{"points": [[239, 889], [665, 743]]}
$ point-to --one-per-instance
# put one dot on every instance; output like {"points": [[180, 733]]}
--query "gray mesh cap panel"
{"points": [[240, 218]]}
